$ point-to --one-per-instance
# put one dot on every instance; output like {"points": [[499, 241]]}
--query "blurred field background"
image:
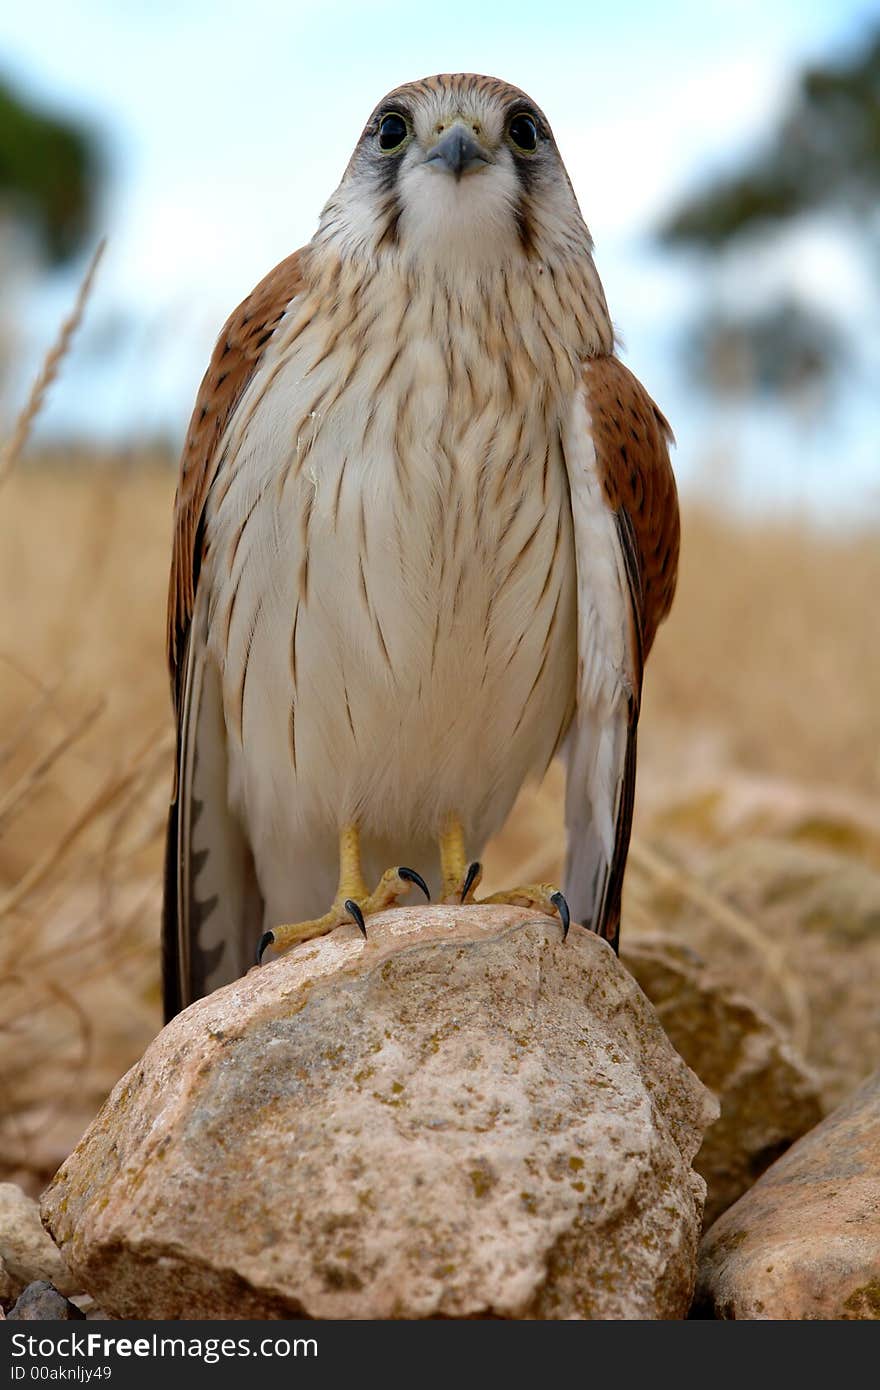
{"points": [[757, 835]]}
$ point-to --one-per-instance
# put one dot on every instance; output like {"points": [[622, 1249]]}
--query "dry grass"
{"points": [[761, 711], [772, 648], [14, 447]]}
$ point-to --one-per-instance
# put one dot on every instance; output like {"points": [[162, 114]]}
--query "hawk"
{"points": [[425, 529]]}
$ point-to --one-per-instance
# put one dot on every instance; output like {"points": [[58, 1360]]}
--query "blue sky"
{"points": [[226, 126]]}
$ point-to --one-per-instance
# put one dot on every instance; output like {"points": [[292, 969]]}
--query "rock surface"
{"points": [[813, 962], [89, 1309], [768, 1097], [26, 1252], [805, 1241], [9, 1287], [41, 1300], [460, 1117]]}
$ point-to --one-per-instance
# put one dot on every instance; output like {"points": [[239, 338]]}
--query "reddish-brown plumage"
{"points": [[631, 438], [236, 356]]}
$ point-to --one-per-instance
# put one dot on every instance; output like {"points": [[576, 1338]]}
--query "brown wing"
{"points": [[632, 439], [240, 346], [211, 908], [629, 581]]}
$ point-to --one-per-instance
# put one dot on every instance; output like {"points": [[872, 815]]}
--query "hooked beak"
{"points": [[457, 152]]}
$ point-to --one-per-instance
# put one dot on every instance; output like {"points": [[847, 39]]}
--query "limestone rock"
{"points": [[89, 1309], [805, 1241], [41, 1300], [460, 1117], [26, 1251], [813, 962], [768, 1097]]}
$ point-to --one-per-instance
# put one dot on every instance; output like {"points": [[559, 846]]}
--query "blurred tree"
{"points": [[49, 176], [824, 157], [826, 151], [786, 350]]}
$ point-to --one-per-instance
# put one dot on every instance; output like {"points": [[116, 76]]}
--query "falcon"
{"points": [[425, 529]]}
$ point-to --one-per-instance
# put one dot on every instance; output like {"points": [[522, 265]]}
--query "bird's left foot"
{"points": [[460, 884]]}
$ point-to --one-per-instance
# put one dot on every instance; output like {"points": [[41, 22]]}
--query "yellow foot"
{"points": [[543, 896], [353, 903], [461, 880]]}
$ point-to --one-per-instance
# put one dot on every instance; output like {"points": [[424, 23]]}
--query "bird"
{"points": [[425, 529]]}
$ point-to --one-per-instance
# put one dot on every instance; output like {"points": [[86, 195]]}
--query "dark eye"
{"points": [[393, 131], [523, 131]]}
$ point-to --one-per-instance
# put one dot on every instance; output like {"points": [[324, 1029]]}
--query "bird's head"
{"points": [[456, 172]]}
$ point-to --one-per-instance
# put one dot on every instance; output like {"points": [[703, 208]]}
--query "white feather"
{"points": [[596, 744]]}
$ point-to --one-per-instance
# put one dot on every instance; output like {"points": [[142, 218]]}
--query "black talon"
{"points": [[267, 939], [410, 876], [356, 915], [473, 870], [561, 906]]}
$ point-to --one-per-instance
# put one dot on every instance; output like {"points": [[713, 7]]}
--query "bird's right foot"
{"points": [[353, 902]]}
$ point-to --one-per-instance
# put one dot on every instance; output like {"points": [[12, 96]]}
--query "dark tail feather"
{"points": [[172, 1002], [609, 920]]}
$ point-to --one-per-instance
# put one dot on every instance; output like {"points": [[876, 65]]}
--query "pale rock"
{"points": [[768, 1096], [461, 1117], [804, 1242], [27, 1253], [812, 959], [89, 1308], [9, 1287]]}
